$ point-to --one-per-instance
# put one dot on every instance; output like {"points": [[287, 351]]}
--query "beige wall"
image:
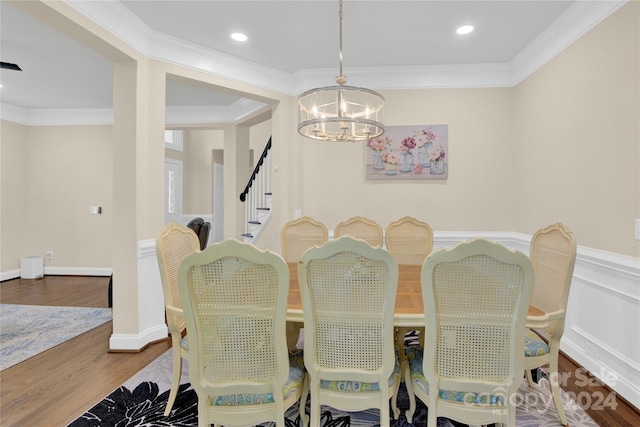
{"points": [[14, 194], [480, 190], [578, 156], [51, 175], [198, 168]]}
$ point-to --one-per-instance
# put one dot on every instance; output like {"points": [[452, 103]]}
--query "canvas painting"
{"points": [[409, 152]]}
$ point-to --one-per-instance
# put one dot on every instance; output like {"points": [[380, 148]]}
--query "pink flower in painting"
{"points": [[378, 144], [437, 154], [429, 135], [425, 136], [390, 157], [407, 144], [417, 169]]}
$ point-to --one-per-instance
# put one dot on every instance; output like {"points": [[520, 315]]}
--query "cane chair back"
{"points": [[235, 305], [553, 255], [476, 297], [348, 291], [360, 228], [301, 234], [409, 240], [173, 244]]}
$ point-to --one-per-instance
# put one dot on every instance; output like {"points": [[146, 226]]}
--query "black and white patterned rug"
{"points": [[142, 399]]}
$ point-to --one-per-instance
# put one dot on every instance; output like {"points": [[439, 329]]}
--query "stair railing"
{"points": [[257, 194]]}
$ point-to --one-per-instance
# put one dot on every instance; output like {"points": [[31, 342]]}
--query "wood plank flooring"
{"points": [[57, 386], [60, 384]]}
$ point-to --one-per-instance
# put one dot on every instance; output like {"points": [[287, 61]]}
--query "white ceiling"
{"points": [[292, 45]]}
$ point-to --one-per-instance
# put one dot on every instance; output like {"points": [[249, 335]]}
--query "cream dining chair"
{"points": [[476, 298], [296, 237], [299, 235], [173, 244], [348, 291], [553, 255], [235, 304], [409, 240], [360, 228]]}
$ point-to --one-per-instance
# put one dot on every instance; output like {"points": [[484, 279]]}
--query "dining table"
{"points": [[409, 310]]}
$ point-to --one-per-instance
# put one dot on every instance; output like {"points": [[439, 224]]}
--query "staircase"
{"points": [[257, 197]]}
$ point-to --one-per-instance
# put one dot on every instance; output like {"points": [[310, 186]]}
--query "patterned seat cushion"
{"points": [[294, 382], [414, 356], [534, 345], [184, 344], [357, 386]]}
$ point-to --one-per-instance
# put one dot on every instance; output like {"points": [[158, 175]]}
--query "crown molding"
{"points": [[56, 116], [579, 18], [212, 115], [574, 22], [104, 116]]}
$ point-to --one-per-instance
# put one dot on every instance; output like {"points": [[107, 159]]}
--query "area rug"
{"points": [[27, 330], [142, 399]]}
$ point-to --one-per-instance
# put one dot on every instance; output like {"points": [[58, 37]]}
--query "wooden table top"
{"points": [[409, 311]]}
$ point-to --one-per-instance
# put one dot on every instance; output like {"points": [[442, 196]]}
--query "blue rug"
{"points": [[27, 330], [142, 399]]}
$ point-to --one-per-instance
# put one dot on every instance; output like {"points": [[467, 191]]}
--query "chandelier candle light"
{"points": [[340, 113]]}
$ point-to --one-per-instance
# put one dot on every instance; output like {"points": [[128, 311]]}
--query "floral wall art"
{"points": [[409, 152]]}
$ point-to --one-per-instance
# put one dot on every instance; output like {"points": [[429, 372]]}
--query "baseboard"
{"points": [[78, 271], [131, 342], [8, 275], [62, 271]]}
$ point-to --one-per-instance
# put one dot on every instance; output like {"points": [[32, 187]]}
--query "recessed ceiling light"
{"points": [[239, 37], [465, 29]]}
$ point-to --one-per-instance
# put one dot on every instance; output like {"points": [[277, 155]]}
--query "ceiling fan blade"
{"points": [[10, 66]]}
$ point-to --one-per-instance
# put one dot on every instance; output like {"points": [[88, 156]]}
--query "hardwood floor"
{"points": [[57, 386]]}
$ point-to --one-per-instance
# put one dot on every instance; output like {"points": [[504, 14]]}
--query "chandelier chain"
{"points": [[341, 79]]}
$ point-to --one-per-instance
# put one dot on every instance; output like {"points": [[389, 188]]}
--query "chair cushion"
{"points": [[357, 386], [294, 382], [414, 356], [184, 344], [534, 345]]}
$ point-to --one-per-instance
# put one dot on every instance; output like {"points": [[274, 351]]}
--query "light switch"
{"points": [[637, 229], [95, 210]]}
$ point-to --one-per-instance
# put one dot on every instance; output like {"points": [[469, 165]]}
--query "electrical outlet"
{"points": [[637, 229], [49, 254]]}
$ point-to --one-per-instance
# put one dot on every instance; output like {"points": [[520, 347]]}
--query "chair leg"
{"points": [[394, 401], [175, 382], [314, 420], [555, 387], [412, 397], [527, 373], [304, 419], [384, 414]]}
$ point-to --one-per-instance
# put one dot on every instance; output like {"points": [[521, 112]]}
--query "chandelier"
{"points": [[340, 113]]}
